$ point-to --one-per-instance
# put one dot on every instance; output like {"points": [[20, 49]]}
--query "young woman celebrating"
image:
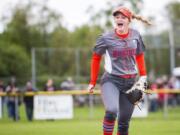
{"points": [[123, 49]]}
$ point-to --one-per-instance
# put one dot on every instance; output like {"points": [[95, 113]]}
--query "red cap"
{"points": [[126, 12]]}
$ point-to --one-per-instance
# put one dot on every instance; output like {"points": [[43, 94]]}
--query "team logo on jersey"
{"points": [[124, 52]]}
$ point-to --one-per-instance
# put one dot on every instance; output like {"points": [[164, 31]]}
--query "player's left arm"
{"points": [[140, 61]]}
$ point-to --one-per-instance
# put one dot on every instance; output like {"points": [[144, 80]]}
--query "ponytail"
{"points": [[140, 18]]}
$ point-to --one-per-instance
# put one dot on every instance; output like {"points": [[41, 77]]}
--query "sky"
{"points": [[74, 11]]}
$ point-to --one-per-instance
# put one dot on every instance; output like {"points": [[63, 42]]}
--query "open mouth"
{"points": [[120, 24]]}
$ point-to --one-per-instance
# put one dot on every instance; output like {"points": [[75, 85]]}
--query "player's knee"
{"points": [[110, 115], [112, 109]]}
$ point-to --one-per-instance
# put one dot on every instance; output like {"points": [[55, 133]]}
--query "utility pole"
{"points": [[171, 45], [33, 62]]}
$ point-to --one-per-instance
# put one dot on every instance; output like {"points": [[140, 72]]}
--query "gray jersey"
{"points": [[120, 53]]}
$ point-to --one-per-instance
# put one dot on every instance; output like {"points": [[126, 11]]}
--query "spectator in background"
{"points": [[161, 96], [176, 85], [2, 89], [68, 84], [28, 101], [177, 82], [12, 101], [171, 96], [166, 84], [50, 85], [153, 99]]}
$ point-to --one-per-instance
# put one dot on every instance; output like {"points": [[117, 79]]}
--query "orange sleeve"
{"points": [[95, 65], [141, 64]]}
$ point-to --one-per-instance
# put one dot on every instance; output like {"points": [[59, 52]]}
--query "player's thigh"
{"points": [[125, 108], [110, 96]]}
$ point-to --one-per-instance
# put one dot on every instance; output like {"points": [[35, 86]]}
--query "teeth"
{"points": [[120, 24]]}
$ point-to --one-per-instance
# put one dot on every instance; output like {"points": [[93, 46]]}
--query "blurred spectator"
{"points": [[177, 82], [28, 101], [12, 101], [166, 86], [50, 85], [153, 99], [177, 86], [171, 97], [161, 96], [81, 100], [68, 84], [164, 83], [2, 89]]}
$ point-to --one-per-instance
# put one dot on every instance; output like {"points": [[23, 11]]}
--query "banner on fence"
{"points": [[53, 107], [144, 108]]}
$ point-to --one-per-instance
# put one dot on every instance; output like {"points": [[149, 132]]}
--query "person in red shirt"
{"points": [[123, 50]]}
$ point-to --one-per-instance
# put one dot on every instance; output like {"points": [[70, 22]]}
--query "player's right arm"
{"points": [[98, 51], [95, 66]]}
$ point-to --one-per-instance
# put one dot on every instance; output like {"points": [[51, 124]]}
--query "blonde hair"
{"points": [[140, 18]]}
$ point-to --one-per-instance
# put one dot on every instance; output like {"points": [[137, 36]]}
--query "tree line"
{"points": [[26, 29]]}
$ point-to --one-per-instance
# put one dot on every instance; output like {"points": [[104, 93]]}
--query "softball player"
{"points": [[123, 49]]}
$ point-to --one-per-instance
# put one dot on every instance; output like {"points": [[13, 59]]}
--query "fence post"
{"points": [[33, 62], [91, 106], [16, 108], [77, 63], [165, 105], [172, 51]]}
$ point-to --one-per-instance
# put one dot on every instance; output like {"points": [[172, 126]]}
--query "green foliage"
{"points": [[136, 5], [13, 61], [60, 38], [17, 30], [26, 30], [174, 10], [85, 36], [102, 18]]}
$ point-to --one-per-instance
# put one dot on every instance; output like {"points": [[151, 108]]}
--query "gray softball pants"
{"points": [[113, 90]]}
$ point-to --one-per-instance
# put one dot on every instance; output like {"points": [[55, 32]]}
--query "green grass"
{"points": [[157, 124], [84, 124]]}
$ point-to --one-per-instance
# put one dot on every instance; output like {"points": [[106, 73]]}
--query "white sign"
{"points": [[144, 108], [53, 107], [176, 71], [0, 107]]}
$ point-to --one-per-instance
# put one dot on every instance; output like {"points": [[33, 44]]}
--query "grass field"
{"points": [[82, 124]]}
